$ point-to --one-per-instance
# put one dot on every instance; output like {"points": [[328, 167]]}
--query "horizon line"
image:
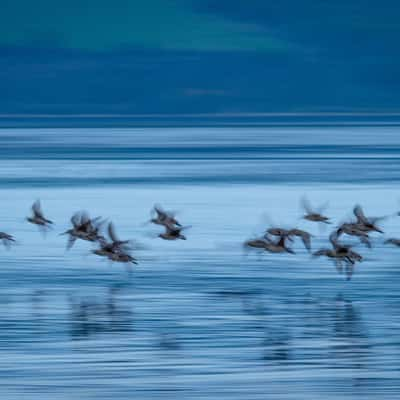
{"points": [[206, 115]]}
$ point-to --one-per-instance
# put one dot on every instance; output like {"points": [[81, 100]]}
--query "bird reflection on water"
{"points": [[277, 346], [89, 317], [351, 344], [327, 333]]}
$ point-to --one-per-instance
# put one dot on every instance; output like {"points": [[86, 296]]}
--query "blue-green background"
{"points": [[201, 56]]}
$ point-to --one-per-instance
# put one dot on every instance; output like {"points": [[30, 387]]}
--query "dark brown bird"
{"points": [[163, 217], [114, 254], [122, 257], [84, 228], [364, 223], [305, 237], [313, 215], [344, 249], [115, 250], [337, 258], [340, 253], [289, 233], [173, 232], [256, 243], [278, 246], [115, 245], [37, 217], [6, 239], [267, 244], [281, 232], [354, 229]]}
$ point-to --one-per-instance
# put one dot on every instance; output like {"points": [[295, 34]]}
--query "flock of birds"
{"points": [[274, 240], [92, 230]]}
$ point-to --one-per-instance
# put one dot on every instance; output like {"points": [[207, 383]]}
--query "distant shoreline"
{"points": [[273, 119]]}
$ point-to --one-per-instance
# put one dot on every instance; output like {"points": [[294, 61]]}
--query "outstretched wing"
{"points": [[304, 202], [333, 238], [175, 230], [306, 238], [71, 241], [375, 220], [103, 242], [111, 232], [6, 239], [183, 228], [85, 222], [37, 209], [358, 212], [319, 253], [322, 207], [97, 220], [76, 220], [161, 213], [97, 223], [365, 240]]}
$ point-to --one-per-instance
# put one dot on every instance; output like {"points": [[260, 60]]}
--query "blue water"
{"points": [[197, 319]]}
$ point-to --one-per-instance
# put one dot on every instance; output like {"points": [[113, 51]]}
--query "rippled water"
{"points": [[198, 319]]}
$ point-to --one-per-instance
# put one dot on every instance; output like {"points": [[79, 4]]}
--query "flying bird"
{"points": [[6, 239], [163, 217], [38, 217], [340, 253], [364, 223], [173, 232], [313, 215], [84, 228]]}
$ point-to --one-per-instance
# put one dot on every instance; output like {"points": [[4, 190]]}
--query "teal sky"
{"points": [[106, 25]]}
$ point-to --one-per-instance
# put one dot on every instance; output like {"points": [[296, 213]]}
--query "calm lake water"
{"points": [[197, 319]]}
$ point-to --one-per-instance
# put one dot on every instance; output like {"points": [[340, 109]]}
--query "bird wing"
{"points": [[37, 209], [365, 240], [267, 238], [306, 238], [96, 224], [377, 219], [305, 203], [358, 212], [103, 243], [318, 253], [175, 230], [6, 236], [126, 245], [85, 219], [76, 220], [322, 207], [281, 241], [71, 241], [97, 220], [159, 210], [333, 238], [172, 230], [112, 233]]}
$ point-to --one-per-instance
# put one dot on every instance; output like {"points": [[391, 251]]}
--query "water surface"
{"points": [[198, 319]]}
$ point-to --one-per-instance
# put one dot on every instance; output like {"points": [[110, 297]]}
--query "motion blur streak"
{"points": [[197, 319]]}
